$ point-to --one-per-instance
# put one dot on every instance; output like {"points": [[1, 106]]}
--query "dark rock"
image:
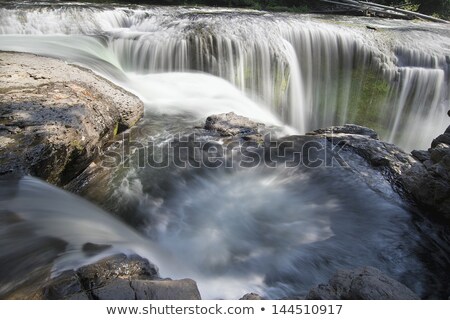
{"points": [[184, 289], [422, 177], [119, 278], [251, 296], [361, 284], [78, 296], [421, 155], [443, 138], [55, 117], [117, 289], [429, 183], [122, 289], [440, 151], [347, 129], [118, 266], [66, 285], [230, 124]]}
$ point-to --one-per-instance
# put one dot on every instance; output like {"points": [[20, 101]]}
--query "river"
{"points": [[234, 230]]}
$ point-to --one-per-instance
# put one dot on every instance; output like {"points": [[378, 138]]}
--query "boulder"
{"points": [[422, 176], [118, 266], [251, 296], [122, 289], [167, 289], [361, 284], [119, 277], [55, 117], [231, 124], [347, 129], [428, 182]]}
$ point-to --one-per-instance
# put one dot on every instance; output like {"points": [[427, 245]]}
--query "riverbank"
{"points": [[56, 117]]}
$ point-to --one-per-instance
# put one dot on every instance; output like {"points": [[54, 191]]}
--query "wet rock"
{"points": [[421, 155], [361, 284], [118, 266], [251, 296], [231, 124], [121, 289], [422, 176], [382, 156], [439, 152], [443, 138], [347, 129], [65, 285], [428, 183], [55, 117], [119, 278], [184, 289], [117, 289]]}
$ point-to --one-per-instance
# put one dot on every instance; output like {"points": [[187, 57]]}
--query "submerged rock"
{"points": [[55, 117], [119, 278], [251, 296], [361, 284], [231, 124]]}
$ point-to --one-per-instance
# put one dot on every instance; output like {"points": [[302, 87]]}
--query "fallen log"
{"points": [[368, 11], [406, 12], [387, 10]]}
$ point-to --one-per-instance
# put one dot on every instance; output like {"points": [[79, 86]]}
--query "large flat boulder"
{"points": [[119, 277], [55, 117]]}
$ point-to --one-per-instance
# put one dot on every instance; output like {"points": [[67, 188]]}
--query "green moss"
{"points": [[367, 98], [116, 129], [77, 145]]}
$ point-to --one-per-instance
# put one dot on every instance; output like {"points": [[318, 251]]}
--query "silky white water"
{"points": [[277, 232], [308, 71]]}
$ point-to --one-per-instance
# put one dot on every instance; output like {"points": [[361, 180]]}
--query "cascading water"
{"points": [[274, 231], [309, 71]]}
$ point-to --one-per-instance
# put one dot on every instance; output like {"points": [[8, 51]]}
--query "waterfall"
{"points": [[278, 231], [309, 71]]}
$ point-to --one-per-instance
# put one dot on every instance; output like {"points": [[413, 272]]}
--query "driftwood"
{"points": [[370, 8], [367, 11]]}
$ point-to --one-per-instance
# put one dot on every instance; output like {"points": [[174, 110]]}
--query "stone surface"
{"points": [[55, 117], [119, 278], [251, 296], [118, 266], [423, 176], [428, 183], [347, 129], [361, 284], [421, 155], [378, 156], [184, 289], [231, 124]]}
